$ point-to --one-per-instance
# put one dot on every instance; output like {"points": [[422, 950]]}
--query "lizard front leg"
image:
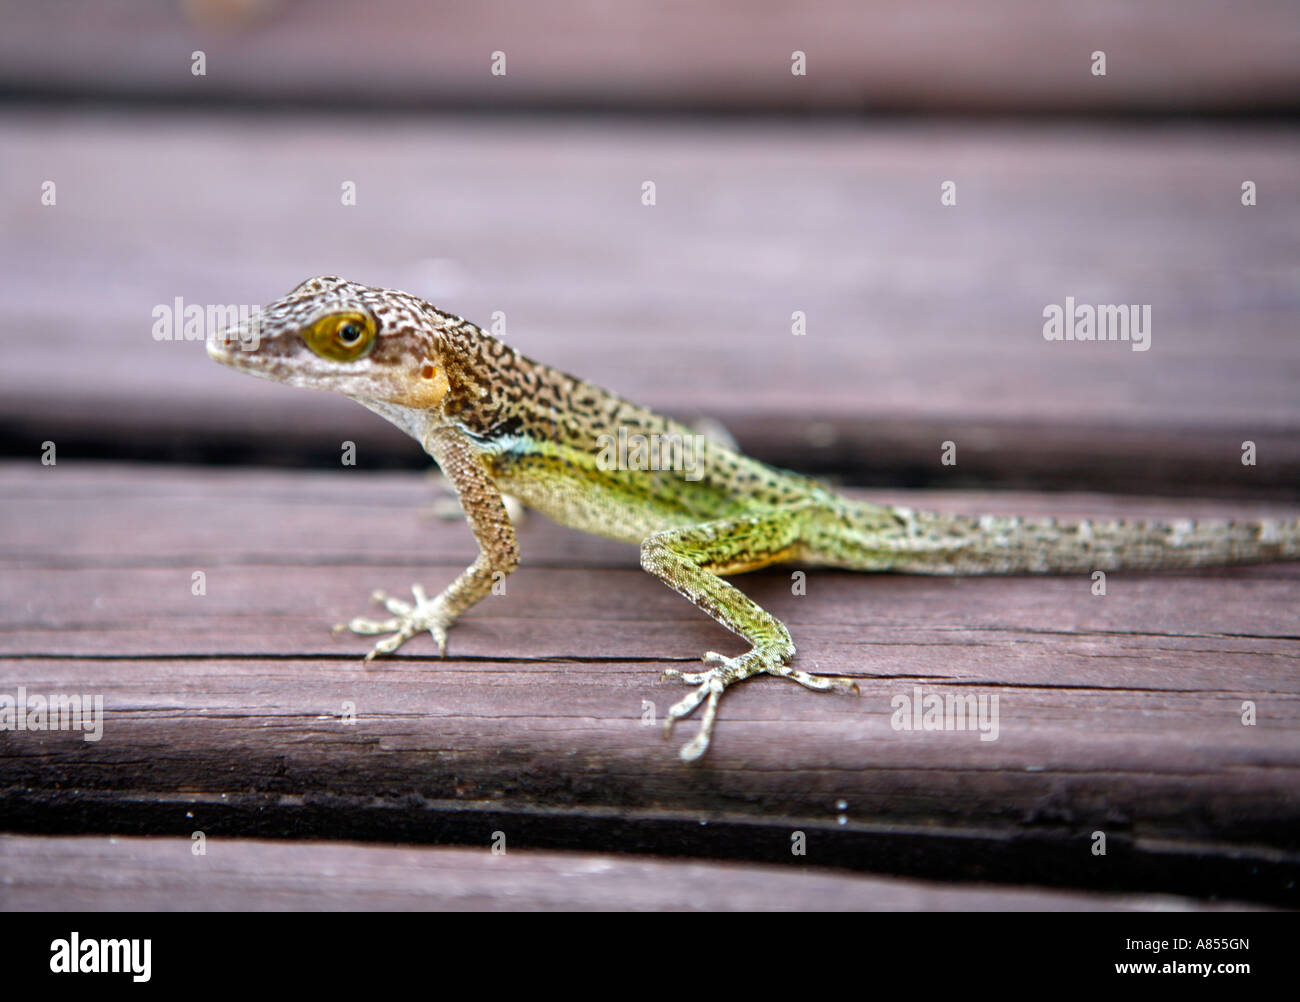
{"points": [[689, 561], [498, 552]]}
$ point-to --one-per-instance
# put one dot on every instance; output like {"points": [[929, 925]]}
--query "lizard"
{"points": [[498, 423]]}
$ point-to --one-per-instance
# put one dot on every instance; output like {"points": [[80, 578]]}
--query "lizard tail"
{"points": [[930, 543]]}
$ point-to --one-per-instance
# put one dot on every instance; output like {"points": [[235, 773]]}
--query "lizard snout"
{"points": [[224, 346]]}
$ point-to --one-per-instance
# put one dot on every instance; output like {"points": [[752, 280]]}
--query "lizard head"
{"points": [[331, 334]]}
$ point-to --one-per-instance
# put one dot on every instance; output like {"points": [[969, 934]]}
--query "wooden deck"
{"points": [[1002, 55], [924, 323], [225, 712], [97, 873]]}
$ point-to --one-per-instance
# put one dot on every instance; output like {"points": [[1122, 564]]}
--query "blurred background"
{"points": [[497, 154]]}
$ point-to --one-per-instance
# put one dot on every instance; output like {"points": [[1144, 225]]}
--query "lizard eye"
{"points": [[341, 337]]}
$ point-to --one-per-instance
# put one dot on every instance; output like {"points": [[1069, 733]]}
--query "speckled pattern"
{"points": [[497, 422]]}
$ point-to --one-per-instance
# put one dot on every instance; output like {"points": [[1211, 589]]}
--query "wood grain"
{"points": [[1002, 55], [161, 874], [1119, 714], [924, 323]]}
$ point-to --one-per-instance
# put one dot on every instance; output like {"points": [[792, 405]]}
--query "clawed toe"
{"points": [[711, 684], [368, 627], [820, 683], [711, 691], [689, 677]]}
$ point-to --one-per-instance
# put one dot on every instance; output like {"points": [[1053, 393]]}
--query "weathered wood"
{"points": [[135, 874], [1000, 55], [1119, 714], [924, 322]]}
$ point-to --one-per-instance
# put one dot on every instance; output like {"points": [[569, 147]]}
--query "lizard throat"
{"points": [[415, 421]]}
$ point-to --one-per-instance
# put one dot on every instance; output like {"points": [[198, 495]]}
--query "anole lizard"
{"points": [[497, 422]]}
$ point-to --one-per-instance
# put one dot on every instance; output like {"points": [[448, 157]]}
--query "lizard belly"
{"points": [[576, 503], [624, 505]]}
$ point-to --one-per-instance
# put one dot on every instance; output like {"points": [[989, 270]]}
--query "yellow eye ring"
{"points": [[342, 337]]}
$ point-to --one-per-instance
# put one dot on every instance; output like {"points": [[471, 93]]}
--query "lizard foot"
{"points": [[714, 681], [409, 618]]}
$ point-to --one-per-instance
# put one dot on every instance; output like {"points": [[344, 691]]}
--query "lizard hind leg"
{"points": [[689, 560]]}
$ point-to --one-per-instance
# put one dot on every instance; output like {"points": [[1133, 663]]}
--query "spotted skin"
{"points": [[499, 423]]}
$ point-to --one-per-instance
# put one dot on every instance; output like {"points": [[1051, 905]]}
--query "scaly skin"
{"points": [[497, 422]]}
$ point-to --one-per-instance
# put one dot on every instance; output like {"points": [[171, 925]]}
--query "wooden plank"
{"points": [[1001, 55], [925, 323], [163, 874], [1119, 714]]}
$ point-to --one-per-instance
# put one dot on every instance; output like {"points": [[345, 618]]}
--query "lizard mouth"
{"points": [[232, 346], [219, 351]]}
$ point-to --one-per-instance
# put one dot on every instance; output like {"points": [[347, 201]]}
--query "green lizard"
{"points": [[498, 423]]}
